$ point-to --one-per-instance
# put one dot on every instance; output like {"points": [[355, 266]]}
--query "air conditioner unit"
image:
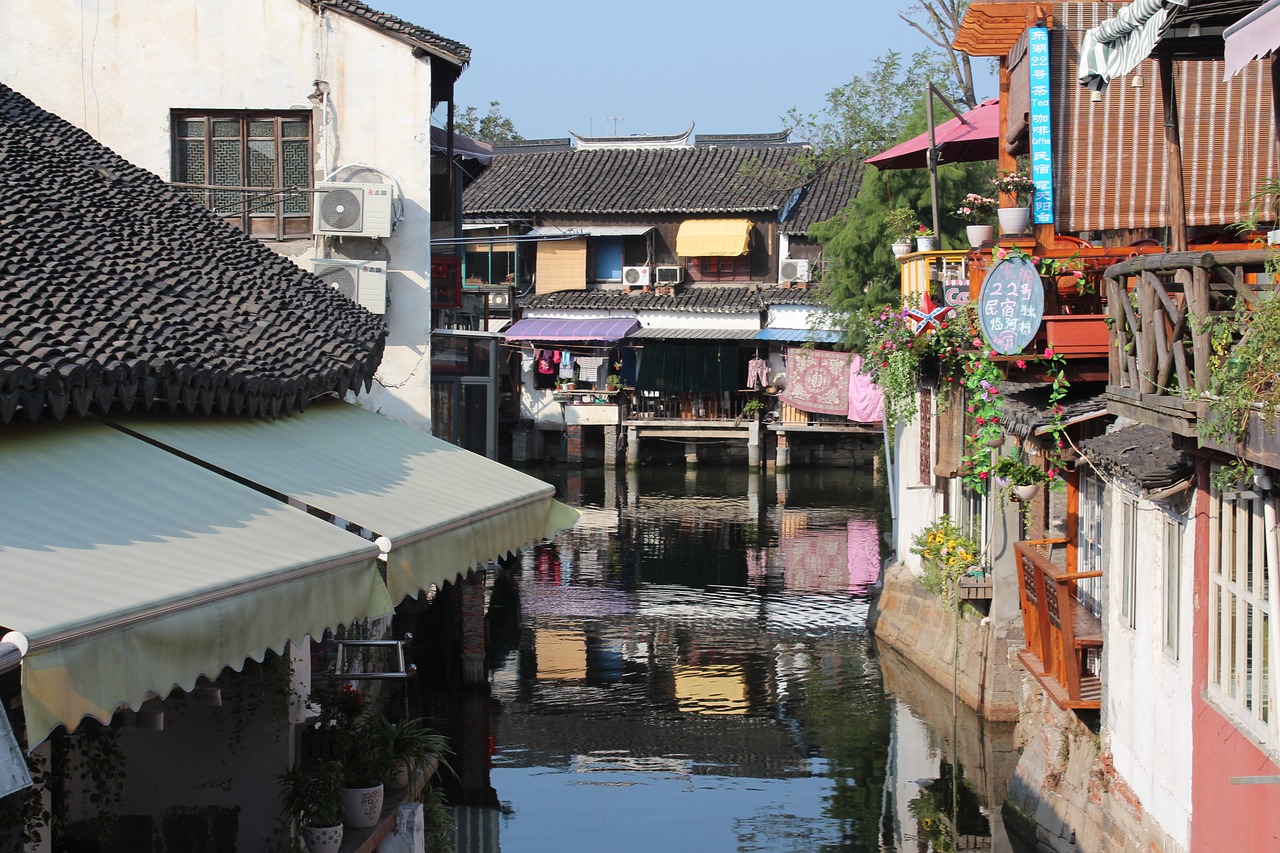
{"points": [[353, 210], [499, 299], [793, 270], [363, 282], [635, 276], [670, 275]]}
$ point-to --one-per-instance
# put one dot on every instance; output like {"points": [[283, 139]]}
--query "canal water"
{"points": [[689, 669]]}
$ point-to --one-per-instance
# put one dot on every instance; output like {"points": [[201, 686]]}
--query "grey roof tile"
{"points": [[716, 299], [118, 292], [412, 34], [1143, 454]]}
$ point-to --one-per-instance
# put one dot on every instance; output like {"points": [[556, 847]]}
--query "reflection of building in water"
{"points": [[832, 559]]}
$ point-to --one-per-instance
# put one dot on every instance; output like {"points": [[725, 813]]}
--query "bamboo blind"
{"points": [[562, 265]]}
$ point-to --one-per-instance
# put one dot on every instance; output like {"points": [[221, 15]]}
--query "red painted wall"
{"points": [[1224, 817]]}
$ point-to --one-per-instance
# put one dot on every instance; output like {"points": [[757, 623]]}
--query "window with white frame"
{"points": [[1173, 529], [1240, 610], [1129, 562], [1089, 545]]}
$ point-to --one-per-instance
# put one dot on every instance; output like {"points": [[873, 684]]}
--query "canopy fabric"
{"points": [[649, 333], [676, 368], [552, 330], [1117, 45], [820, 336], [703, 238], [445, 509], [128, 592], [1252, 37], [963, 139]]}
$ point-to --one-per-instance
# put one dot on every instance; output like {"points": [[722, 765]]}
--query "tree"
{"points": [[493, 127], [941, 21]]}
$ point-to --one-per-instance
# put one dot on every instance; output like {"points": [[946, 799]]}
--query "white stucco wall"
{"points": [[794, 317], [697, 320], [1142, 680], [116, 68]]}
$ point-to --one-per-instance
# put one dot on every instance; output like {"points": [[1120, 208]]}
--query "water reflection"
{"points": [[689, 668]]}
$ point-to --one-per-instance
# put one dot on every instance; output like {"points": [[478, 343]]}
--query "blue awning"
{"points": [[582, 331], [818, 336]]}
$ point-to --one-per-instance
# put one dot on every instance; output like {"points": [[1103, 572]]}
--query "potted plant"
{"points": [[925, 239], [309, 796], [1018, 480], [902, 224], [412, 744], [366, 759], [1016, 218], [613, 382], [947, 555], [975, 211]]}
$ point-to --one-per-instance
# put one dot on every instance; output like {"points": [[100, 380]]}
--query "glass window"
{"points": [[1090, 554], [262, 160], [1129, 562], [1240, 611], [1173, 528], [720, 269]]}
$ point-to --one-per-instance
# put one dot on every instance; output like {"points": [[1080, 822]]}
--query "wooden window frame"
{"points": [[262, 213], [718, 268], [1171, 625], [1128, 592]]}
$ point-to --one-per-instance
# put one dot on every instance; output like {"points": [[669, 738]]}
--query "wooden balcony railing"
{"points": [[688, 406], [1060, 630], [1158, 306]]}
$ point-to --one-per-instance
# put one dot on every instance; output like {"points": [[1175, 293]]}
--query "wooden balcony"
{"points": [[1159, 370], [1060, 631]]}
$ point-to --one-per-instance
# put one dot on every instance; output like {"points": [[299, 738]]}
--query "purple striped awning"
{"points": [[552, 330]]}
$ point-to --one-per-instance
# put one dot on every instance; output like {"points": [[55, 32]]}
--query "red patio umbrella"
{"points": [[963, 139]]}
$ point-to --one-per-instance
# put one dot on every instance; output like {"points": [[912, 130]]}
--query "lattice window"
{"points": [[720, 269], [1240, 651], [261, 159], [925, 420]]}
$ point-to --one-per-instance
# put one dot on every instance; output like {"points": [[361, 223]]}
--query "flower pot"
{"points": [[900, 248], [361, 806], [1026, 491], [322, 839], [926, 244], [1014, 220], [979, 234]]}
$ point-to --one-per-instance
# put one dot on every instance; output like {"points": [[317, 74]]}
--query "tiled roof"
{"points": [[119, 293], [714, 299], [753, 139], [412, 34], [692, 179], [1026, 406], [826, 196], [1141, 453]]}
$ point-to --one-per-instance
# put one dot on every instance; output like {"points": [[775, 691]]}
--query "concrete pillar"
{"points": [[690, 454], [753, 445], [610, 445], [633, 447], [783, 483], [783, 454], [753, 495], [573, 444], [471, 606]]}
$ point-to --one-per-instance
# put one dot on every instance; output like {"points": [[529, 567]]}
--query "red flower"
{"points": [[982, 475], [1022, 365], [1048, 353]]}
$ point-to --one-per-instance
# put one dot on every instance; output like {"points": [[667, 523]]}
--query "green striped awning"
{"points": [[132, 571], [445, 509], [1117, 45]]}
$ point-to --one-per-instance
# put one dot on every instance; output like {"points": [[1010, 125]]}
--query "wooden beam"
{"points": [[1173, 147]]}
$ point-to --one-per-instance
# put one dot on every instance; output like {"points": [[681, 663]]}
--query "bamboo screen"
{"points": [[1110, 162], [562, 265]]}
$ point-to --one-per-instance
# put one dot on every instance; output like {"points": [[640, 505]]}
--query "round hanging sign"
{"points": [[1011, 304]]}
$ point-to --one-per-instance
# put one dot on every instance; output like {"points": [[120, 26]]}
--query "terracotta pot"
{"points": [[361, 806]]}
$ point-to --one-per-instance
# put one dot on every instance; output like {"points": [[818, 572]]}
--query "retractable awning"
{"points": [[821, 336], [589, 231], [652, 333], [551, 330], [1252, 37], [701, 238], [446, 510], [1117, 45], [132, 571]]}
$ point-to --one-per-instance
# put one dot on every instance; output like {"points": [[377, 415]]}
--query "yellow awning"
{"points": [[701, 238]]}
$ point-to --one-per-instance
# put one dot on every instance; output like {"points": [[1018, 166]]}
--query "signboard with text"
{"points": [[1011, 305], [1040, 125]]}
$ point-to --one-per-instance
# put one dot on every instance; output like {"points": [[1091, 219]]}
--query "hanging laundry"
{"points": [[589, 364], [566, 365], [757, 373], [544, 362]]}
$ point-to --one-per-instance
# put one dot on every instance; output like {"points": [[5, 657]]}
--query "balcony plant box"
{"points": [[1076, 333]]}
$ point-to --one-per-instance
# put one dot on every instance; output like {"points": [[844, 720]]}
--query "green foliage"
{"points": [[309, 793], [23, 814], [946, 554], [1017, 472], [901, 223], [410, 740], [493, 127]]}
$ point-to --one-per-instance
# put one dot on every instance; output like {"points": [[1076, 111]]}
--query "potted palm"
{"points": [[309, 796], [412, 744]]}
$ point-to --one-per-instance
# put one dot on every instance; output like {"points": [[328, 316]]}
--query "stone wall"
{"points": [[1065, 795], [915, 623]]}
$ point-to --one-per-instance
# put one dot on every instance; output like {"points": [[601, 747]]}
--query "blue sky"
{"points": [[727, 67]]}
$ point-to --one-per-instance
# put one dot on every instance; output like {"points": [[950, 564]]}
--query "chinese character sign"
{"points": [[1011, 305], [1041, 136]]}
